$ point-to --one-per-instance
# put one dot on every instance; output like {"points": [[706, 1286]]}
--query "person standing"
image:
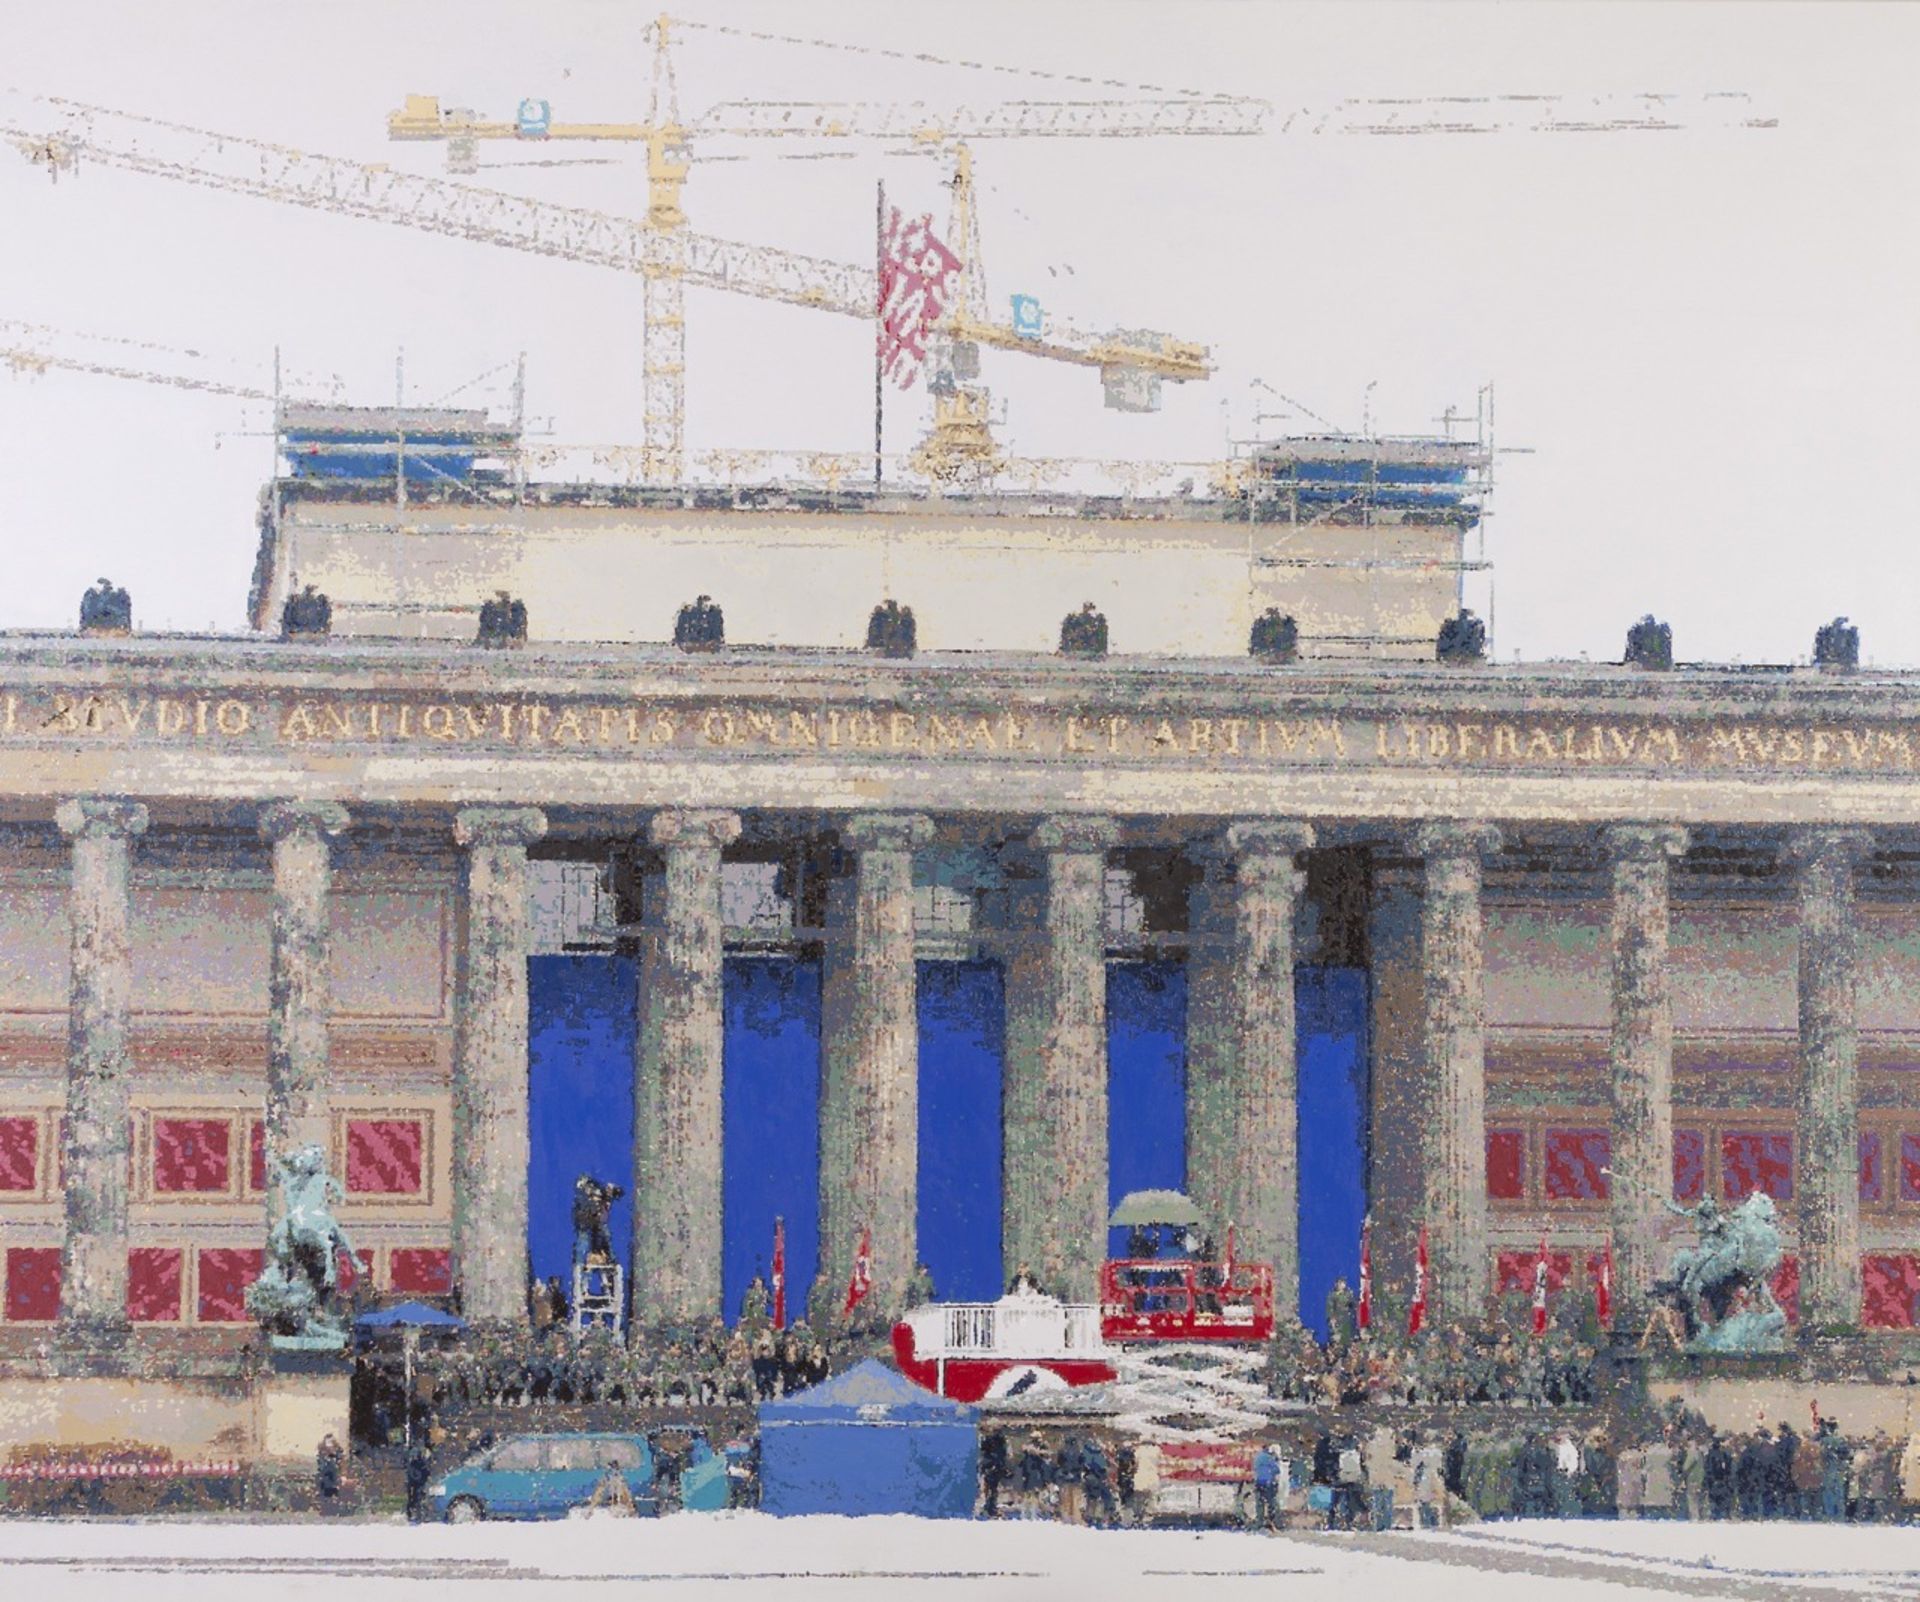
{"points": [[1629, 1472], [1126, 1466], [1430, 1483], [419, 1472], [1836, 1458], [993, 1471], [1266, 1487], [1719, 1477], [327, 1459]]}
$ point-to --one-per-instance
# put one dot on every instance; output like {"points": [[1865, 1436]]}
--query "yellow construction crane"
{"points": [[1131, 364]]}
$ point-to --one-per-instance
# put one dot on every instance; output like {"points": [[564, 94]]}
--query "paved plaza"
{"points": [[743, 1555]]}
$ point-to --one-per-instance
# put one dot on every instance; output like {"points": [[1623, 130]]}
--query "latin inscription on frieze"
{"points": [[771, 727]]}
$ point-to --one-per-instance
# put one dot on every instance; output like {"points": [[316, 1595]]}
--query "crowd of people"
{"points": [[1679, 1469], [700, 1366]]}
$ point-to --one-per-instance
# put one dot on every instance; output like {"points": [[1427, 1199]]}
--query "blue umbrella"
{"points": [[409, 1315], [409, 1318]]}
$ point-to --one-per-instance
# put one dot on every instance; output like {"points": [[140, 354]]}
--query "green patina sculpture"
{"points": [[296, 1296], [1723, 1285]]}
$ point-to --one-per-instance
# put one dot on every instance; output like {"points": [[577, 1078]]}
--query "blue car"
{"points": [[542, 1477]]}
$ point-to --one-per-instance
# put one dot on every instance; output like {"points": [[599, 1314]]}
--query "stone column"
{"points": [[93, 1269], [1642, 1058], [1054, 1161], [870, 1058], [299, 973], [1452, 957], [677, 1085], [1243, 1118], [1827, 1156], [490, 1066]]}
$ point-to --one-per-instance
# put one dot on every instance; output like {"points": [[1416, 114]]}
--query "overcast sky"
{"points": [[1704, 343]]}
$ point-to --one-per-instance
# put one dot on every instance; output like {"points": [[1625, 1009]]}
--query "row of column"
{"points": [[1242, 1117], [1641, 1063]]}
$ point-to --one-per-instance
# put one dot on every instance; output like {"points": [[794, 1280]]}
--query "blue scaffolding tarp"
{"points": [[869, 1441]]}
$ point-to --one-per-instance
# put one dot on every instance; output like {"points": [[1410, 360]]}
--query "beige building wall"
{"points": [[1169, 583]]}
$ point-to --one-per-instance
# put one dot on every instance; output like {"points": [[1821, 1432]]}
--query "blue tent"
{"points": [[869, 1441]]}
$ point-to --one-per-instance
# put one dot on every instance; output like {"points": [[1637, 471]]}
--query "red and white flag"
{"points": [[1540, 1287], [779, 1273], [1603, 1288], [1417, 1313], [1363, 1314], [862, 1282], [916, 276]]}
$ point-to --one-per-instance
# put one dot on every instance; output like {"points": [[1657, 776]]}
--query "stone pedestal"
{"points": [[299, 974], [1826, 1166], [93, 1283], [1642, 1059], [1243, 1165], [490, 1066], [1452, 956], [1054, 1161], [298, 1401], [677, 1089], [870, 1058]]}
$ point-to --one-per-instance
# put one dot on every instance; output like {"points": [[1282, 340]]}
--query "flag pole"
{"points": [[879, 268]]}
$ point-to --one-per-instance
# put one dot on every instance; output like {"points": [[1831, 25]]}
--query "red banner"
{"points": [[916, 278]]}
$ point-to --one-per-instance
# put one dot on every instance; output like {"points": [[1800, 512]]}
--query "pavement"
{"points": [[750, 1555]]}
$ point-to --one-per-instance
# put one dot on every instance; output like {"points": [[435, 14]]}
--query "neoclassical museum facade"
{"points": [[1619, 935]]}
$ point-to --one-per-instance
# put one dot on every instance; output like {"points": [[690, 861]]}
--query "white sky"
{"points": [[1707, 340]]}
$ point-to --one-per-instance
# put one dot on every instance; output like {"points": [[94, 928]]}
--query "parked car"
{"points": [[542, 1477]]}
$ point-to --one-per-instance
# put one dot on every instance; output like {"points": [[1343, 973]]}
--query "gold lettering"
{"points": [[1897, 742], [131, 714], [1380, 748], [1538, 740], [1506, 741], [1163, 734], [436, 722], [1724, 745], [200, 718], [10, 708], [1464, 734], [833, 727], [716, 728], [338, 720], [1822, 745], [1199, 734], [1114, 726], [863, 728], [1232, 727], [532, 717], [298, 724], [374, 709], [633, 725], [233, 717], [1623, 741], [1018, 733], [170, 717], [1667, 738], [1289, 735], [63, 714], [1793, 747], [762, 724], [802, 729], [475, 721], [1859, 746], [404, 730], [662, 732], [1077, 735], [980, 736], [603, 719], [1439, 743], [941, 732], [1763, 743], [568, 727], [903, 731], [505, 709]]}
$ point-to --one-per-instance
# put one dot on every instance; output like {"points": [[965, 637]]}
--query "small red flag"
{"points": [[1540, 1288], [862, 1281], [1363, 1314], [779, 1273], [1603, 1287], [1417, 1314]]}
